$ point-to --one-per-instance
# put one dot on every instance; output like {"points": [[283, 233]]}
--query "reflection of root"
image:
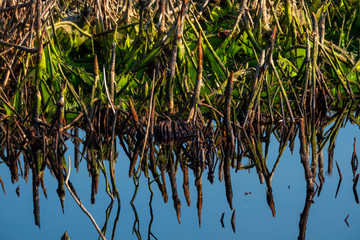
{"points": [[354, 188], [198, 184], [305, 213], [177, 132], [233, 221], [270, 201]]}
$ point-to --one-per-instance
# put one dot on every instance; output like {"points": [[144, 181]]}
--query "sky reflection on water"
{"points": [[253, 219]]}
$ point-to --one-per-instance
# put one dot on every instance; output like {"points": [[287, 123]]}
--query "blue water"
{"points": [[253, 218]]}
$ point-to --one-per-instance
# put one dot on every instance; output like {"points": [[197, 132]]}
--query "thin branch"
{"points": [[107, 92], [26, 49], [79, 202]]}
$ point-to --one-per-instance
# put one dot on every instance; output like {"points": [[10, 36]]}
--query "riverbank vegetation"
{"points": [[209, 81]]}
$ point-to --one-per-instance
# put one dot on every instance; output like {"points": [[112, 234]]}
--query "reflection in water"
{"points": [[305, 213], [108, 212], [354, 188], [340, 179], [207, 148]]}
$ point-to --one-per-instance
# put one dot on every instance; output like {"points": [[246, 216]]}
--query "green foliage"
{"points": [[229, 45]]}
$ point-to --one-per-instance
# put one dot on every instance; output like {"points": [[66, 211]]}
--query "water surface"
{"points": [[253, 217]]}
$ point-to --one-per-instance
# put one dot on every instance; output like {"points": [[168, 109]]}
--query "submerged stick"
{"points": [[79, 202]]}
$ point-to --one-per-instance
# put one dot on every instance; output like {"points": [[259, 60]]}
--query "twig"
{"points": [[73, 121], [340, 175], [79, 202], [8, 66], [203, 6], [6, 102], [149, 121], [198, 83], [112, 71], [222, 220], [26, 49], [212, 108], [338, 187], [16, 7], [242, 10], [107, 92], [346, 220]]}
